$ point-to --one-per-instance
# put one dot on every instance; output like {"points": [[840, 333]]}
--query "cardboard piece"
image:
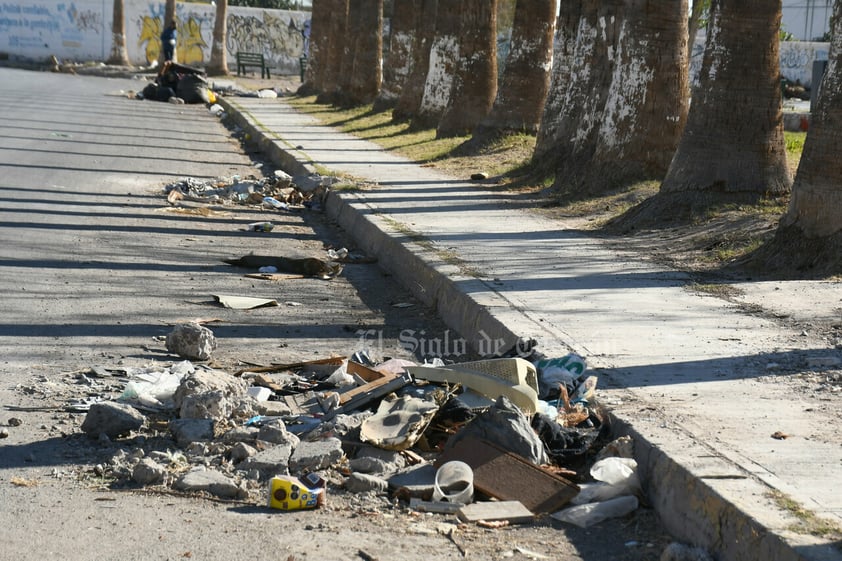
{"points": [[508, 477], [244, 302], [510, 511]]}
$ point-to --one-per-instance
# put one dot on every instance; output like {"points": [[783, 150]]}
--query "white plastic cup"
{"points": [[454, 483]]}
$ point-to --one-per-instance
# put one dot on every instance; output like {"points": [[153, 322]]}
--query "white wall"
{"points": [[80, 30], [807, 20]]}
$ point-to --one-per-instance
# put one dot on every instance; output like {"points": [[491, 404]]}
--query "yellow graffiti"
{"points": [[190, 47], [190, 43], [150, 33]]}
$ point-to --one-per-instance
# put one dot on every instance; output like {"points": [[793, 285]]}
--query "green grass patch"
{"points": [[808, 522]]}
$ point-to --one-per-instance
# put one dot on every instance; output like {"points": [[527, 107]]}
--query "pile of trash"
{"points": [[494, 441], [177, 83], [281, 191]]}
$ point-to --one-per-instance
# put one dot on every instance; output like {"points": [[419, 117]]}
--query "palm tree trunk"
{"points": [[816, 204], [526, 78], [733, 145], [319, 47], [332, 61], [475, 83], [218, 65], [409, 101], [444, 56], [366, 70], [570, 16], [119, 54], [396, 67]]}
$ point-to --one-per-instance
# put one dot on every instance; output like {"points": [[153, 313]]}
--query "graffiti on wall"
{"points": [[277, 37], [189, 48], [80, 30]]}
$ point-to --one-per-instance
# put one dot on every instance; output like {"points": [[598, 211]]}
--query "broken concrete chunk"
{"points": [[241, 434], [272, 461], [320, 454], [364, 483], [191, 341], [210, 481], [188, 431], [275, 431], [368, 465], [148, 472], [209, 405], [111, 419], [205, 381], [242, 451], [510, 511], [417, 481]]}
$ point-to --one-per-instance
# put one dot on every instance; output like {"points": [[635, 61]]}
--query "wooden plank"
{"points": [[345, 397], [510, 511], [508, 477]]}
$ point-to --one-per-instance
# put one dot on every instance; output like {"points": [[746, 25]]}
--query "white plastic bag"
{"points": [[615, 477], [594, 513]]}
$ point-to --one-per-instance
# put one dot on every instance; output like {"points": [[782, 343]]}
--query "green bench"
{"points": [[252, 60]]}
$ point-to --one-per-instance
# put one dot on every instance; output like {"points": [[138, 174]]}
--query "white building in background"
{"points": [[807, 20]]}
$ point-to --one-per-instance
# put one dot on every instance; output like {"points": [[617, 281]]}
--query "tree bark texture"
{"points": [[409, 102], [218, 65], [119, 53], [816, 204], [366, 73], [475, 83], [733, 145], [335, 49], [396, 67], [526, 76], [444, 60], [566, 36], [320, 38], [625, 101]]}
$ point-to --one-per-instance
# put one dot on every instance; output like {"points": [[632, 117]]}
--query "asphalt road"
{"points": [[94, 269], [95, 265]]}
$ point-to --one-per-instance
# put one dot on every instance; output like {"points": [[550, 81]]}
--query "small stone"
{"points": [[364, 483], [321, 454], [187, 431], [111, 419], [276, 432], [4, 432], [148, 472], [367, 464], [191, 341], [210, 481], [240, 434], [15, 422], [242, 451], [274, 460], [479, 176]]}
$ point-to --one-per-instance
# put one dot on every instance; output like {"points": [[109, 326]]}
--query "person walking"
{"points": [[168, 41]]}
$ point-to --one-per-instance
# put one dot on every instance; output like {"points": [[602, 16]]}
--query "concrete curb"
{"points": [[690, 496]]}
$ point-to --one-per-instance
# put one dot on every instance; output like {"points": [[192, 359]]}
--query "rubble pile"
{"points": [[502, 440]]}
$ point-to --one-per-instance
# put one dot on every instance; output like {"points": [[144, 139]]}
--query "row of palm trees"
{"points": [[604, 86]]}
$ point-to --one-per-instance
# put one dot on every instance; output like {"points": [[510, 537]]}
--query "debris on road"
{"points": [[283, 435]]}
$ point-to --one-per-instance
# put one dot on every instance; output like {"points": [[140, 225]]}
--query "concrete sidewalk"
{"points": [[687, 374]]}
